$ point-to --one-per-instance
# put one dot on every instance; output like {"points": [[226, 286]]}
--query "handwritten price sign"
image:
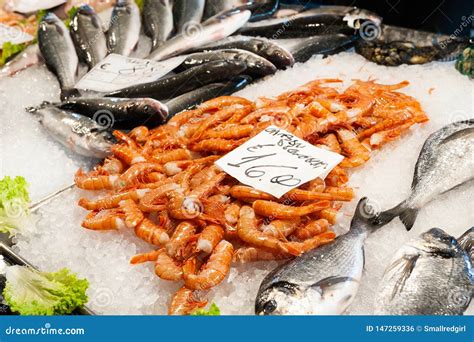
{"points": [[116, 72], [275, 161]]}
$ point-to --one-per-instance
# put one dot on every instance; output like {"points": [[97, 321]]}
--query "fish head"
{"points": [[152, 108], [277, 299], [86, 10], [100, 141], [437, 241], [50, 21], [358, 16]]}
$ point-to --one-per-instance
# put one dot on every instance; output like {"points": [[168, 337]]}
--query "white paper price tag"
{"points": [[275, 161], [14, 35], [116, 72]]}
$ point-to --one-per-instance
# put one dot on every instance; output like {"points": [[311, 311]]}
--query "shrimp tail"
{"points": [[407, 215]]}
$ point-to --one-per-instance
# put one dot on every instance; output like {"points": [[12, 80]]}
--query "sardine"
{"points": [[124, 30], [78, 133], [119, 112], [158, 20], [260, 8], [446, 161], [466, 241], [431, 275], [58, 51], [321, 45], [187, 14], [87, 32], [210, 91], [256, 66], [323, 281], [174, 85], [29, 57], [279, 56], [214, 29], [214, 7]]}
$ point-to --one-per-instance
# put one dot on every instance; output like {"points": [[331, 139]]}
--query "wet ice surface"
{"points": [[118, 288]]}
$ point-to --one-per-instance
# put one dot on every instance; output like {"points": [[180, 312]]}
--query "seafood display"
{"points": [[124, 30], [430, 275], [446, 161], [164, 185]]}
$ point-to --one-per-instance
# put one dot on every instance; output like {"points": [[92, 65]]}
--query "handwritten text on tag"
{"points": [[116, 72], [275, 161]]}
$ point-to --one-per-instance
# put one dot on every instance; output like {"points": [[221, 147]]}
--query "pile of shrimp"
{"points": [[26, 24], [164, 185]]}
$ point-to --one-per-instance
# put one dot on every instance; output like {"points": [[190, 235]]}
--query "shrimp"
{"points": [[281, 211], [183, 232], [216, 145], [137, 173], [184, 302], [248, 232], [329, 214], [281, 228], [337, 177], [380, 138], [112, 166], [221, 116], [173, 155], [139, 134], [229, 132], [213, 271], [331, 142], [148, 201], [145, 257], [94, 182], [357, 153], [165, 267], [133, 215], [247, 192], [112, 201], [209, 238], [250, 254], [127, 154], [151, 232], [311, 243], [104, 220], [312, 229]]}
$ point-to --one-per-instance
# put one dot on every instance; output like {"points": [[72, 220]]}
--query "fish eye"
{"points": [[146, 108], [269, 306]]}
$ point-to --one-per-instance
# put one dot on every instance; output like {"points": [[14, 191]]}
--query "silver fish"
{"points": [[466, 241], [30, 56], [445, 162], [321, 45], [187, 14], [216, 6], [216, 28], [323, 281], [124, 30], [256, 66], [158, 20], [58, 51], [431, 275], [88, 35], [78, 133], [265, 48]]}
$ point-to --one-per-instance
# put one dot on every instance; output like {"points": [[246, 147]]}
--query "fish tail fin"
{"points": [[408, 217], [364, 213], [466, 241], [68, 93]]}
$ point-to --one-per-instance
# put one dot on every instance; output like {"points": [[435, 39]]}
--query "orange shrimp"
{"points": [[329, 214], [104, 220], [183, 232], [137, 173], [165, 267], [145, 257], [213, 272], [218, 117], [127, 154], [331, 142], [210, 236], [281, 228], [139, 134], [311, 243], [337, 177], [229, 132], [112, 201], [133, 215], [184, 302], [250, 254], [340, 193], [148, 201], [163, 157], [112, 166], [247, 192], [151, 232], [94, 182], [277, 210], [217, 145], [271, 111], [312, 229], [357, 153]]}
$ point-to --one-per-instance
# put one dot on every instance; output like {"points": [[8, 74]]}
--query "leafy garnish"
{"points": [[14, 203], [10, 50], [213, 311]]}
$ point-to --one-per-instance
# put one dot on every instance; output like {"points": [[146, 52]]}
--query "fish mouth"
{"points": [[85, 9]]}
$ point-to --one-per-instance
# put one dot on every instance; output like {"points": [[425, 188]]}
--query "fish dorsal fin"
{"points": [[406, 264], [331, 284]]}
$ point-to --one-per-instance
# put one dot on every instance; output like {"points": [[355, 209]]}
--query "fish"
{"points": [[78, 133], [276, 54], [256, 66], [321, 45], [317, 21], [29, 57], [466, 241], [124, 30], [157, 20], [58, 51], [260, 8], [445, 162], [87, 32], [183, 82], [323, 281], [210, 91], [216, 28], [430, 275], [393, 46], [187, 14], [120, 113]]}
